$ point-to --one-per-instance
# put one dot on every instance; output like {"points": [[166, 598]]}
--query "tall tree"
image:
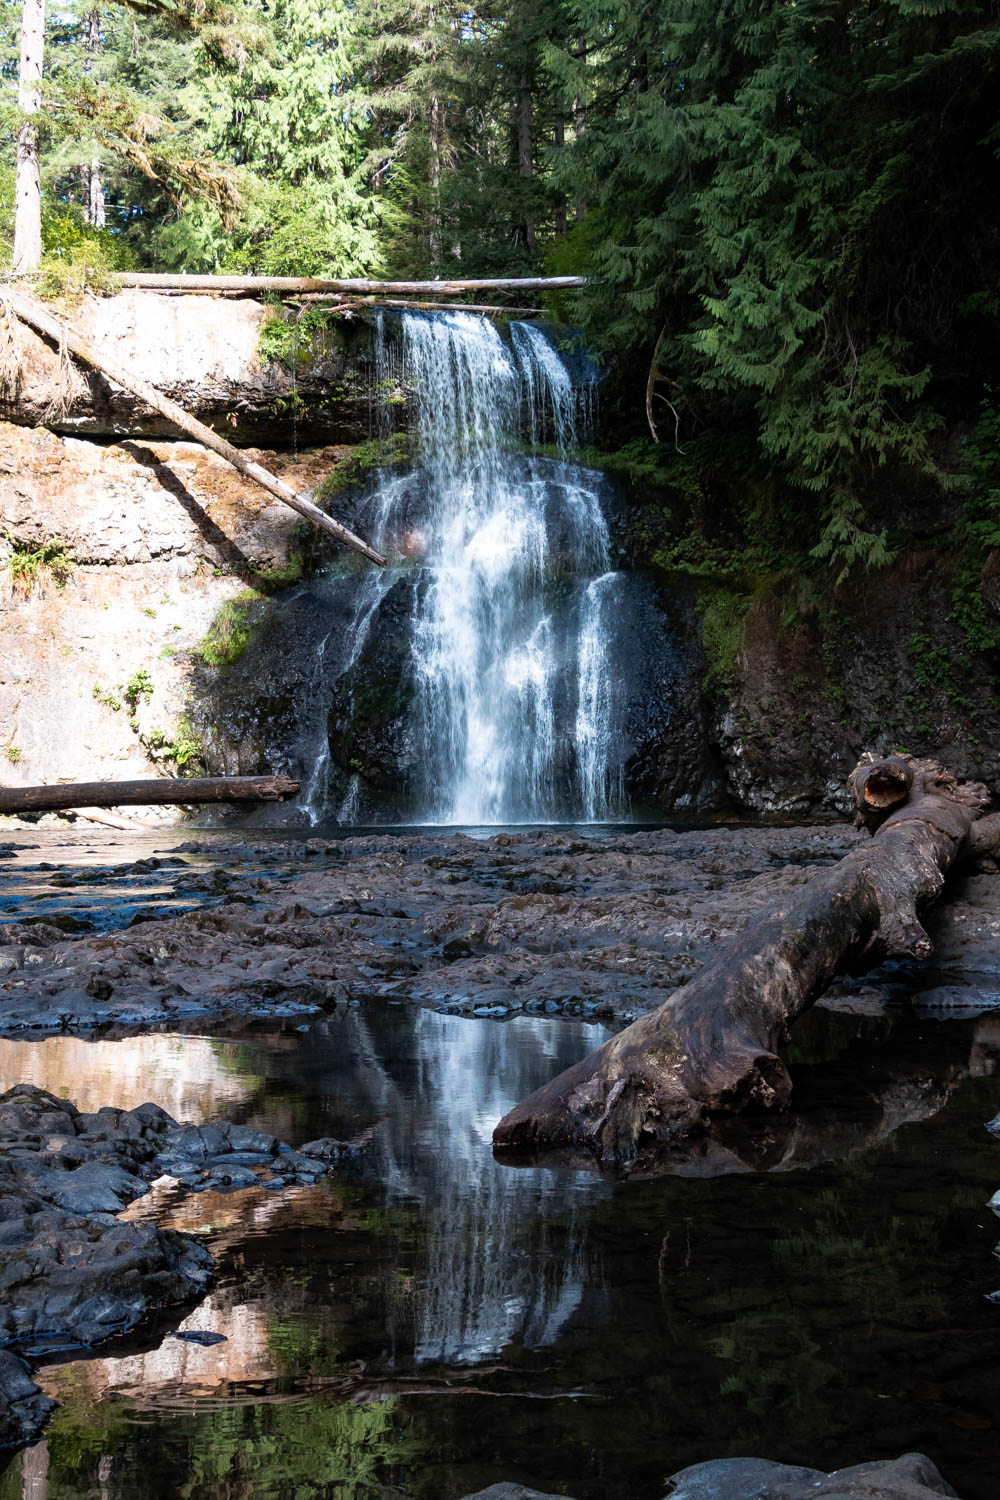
{"points": [[28, 190], [794, 205]]}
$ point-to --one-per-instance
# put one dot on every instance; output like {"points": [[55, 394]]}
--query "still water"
{"points": [[431, 1321]]}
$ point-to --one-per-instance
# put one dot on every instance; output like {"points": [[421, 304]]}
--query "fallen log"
{"points": [[713, 1045], [158, 790], [39, 317], [252, 285], [415, 304]]}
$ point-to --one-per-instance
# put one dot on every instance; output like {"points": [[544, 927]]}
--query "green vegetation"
{"points": [[723, 621], [185, 749], [110, 699], [14, 755], [788, 268], [379, 453], [273, 580], [139, 685], [33, 565], [230, 632], [294, 340], [978, 533]]}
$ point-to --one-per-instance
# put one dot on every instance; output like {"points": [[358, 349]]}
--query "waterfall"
{"points": [[514, 703]]}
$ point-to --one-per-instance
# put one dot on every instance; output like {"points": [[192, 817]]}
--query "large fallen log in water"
{"points": [[159, 790], [64, 336], [713, 1045]]}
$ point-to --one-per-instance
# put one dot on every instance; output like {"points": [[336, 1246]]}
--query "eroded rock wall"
{"points": [[145, 540], [886, 667], [205, 353]]}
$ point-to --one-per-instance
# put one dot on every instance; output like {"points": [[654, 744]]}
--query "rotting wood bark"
{"points": [[161, 791], [713, 1045], [39, 317]]}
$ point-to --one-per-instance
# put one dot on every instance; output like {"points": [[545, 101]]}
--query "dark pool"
{"points": [[432, 1322]]}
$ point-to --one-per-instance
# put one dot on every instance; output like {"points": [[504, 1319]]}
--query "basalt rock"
{"points": [[72, 1272], [911, 1477], [525, 922]]}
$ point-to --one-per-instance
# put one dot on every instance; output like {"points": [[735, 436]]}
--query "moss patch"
{"points": [[380, 453], [231, 631]]}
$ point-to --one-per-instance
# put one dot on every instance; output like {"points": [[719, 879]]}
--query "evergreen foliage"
{"points": [[789, 213]]}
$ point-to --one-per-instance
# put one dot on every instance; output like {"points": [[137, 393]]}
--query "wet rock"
{"points": [[521, 922], [72, 1272], [512, 1492], [328, 1149], [911, 1477], [24, 1410]]}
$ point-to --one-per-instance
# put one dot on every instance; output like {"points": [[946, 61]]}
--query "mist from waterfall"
{"points": [[516, 715]]}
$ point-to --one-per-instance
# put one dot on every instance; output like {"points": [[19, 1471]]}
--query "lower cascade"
{"points": [[500, 570]]}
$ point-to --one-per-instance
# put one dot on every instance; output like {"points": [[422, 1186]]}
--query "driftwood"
{"points": [[252, 285], [160, 790], [713, 1045], [65, 337]]}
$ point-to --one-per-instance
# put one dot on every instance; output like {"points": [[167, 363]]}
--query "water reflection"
{"points": [[431, 1321], [192, 1078]]}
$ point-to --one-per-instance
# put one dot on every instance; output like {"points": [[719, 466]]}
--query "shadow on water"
{"points": [[814, 1289]]}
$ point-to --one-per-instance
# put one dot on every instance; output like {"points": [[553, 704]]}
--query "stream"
{"points": [[428, 1321]]}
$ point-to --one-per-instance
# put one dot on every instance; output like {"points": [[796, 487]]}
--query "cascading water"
{"points": [[516, 713]]}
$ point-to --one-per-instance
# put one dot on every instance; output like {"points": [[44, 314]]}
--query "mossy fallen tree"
{"points": [[712, 1047]]}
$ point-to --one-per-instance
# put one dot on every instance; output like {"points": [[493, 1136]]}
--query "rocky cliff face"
{"points": [[888, 667], [203, 352], [114, 560]]}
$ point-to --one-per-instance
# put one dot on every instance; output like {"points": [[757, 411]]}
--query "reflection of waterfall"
{"points": [[505, 1258], [498, 553]]}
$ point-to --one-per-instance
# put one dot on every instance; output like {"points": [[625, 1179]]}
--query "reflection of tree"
{"points": [[788, 1369], [315, 1449], [796, 1313], [825, 1315], [296, 1450]]}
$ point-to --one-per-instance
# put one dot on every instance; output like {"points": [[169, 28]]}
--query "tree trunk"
{"points": [[356, 304], [159, 790], [170, 281], [54, 328], [28, 190], [93, 207], [712, 1046], [434, 238], [559, 136], [526, 151], [580, 127]]}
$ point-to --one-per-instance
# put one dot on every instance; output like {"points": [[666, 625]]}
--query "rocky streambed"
{"points": [[403, 989], [544, 921]]}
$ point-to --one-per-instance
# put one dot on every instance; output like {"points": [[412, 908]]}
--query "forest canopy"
{"points": [[788, 212]]}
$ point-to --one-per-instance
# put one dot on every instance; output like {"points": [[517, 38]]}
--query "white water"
{"points": [[513, 601]]}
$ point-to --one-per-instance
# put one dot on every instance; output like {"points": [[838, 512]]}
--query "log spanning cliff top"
{"points": [[344, 294], [252, 286], [138, 363]]}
